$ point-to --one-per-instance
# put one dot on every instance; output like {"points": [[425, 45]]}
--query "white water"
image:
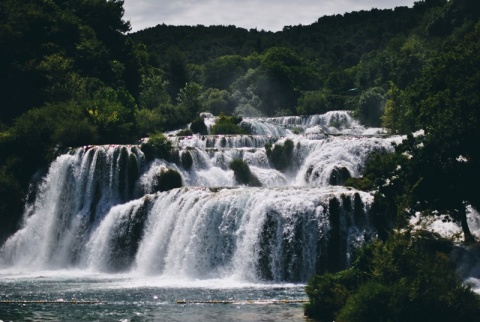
{"points": [[96, 209]]}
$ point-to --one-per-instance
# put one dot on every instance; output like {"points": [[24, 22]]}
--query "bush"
{"points": [[157, 146], [185, 132], [328, 293], [362, 183], [407, 278], [243, 175], [228, 125]]}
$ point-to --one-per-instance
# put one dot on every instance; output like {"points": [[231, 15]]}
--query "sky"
{"points": [[269, 15]]}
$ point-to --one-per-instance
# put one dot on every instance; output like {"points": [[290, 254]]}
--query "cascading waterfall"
{"points": [[98, 208]]}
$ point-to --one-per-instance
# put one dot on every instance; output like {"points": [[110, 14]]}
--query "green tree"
{"points": [[189, 99], [312, 102], [216, 101], [395, 281], [223, 71], [276, 81], [371, 106]]}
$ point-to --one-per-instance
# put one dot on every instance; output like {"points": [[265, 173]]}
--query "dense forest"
{"points": [[71, 74]]}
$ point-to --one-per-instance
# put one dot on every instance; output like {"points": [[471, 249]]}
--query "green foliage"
{"points": [[157, 146], [442, 164], [279, 71], [150, 121], [328, 293], [11, 204], [371, 106], [313, 102], [223, 71], [114, 113], [54, 45], [188, 100], [395, 281], [216, 101], [185, 132], [281, 154], [242, 173], [228, 125], [398, 114], [362, 183], [153, 90], [177, 71]]}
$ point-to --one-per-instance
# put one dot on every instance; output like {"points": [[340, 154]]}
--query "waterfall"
{"points": [[99, 208]]}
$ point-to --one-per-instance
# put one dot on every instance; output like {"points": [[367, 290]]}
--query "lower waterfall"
{"points": [[97, 210]]}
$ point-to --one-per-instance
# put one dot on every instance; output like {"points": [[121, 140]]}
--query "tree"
{"points": [[275, 85], [223, 71], [216, 101], [371, 106], [395, 281]]}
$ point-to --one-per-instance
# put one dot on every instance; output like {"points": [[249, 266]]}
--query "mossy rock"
{"points": [[242, 173], [157, 146], [198, 126], [338, 176], [167, 180], [281, 154], [185, 132], [187, 160]]}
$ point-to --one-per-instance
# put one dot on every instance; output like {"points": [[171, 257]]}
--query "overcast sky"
{"points": [[270, 15]]}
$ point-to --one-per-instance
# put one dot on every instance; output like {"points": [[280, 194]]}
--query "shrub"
{"points": [[243, 174], [228, 125], [328, 293], [157, 146], [370, 106], [185, 132], [406, 278], [362, 183]]}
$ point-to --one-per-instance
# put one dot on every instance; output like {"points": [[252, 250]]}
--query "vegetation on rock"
{"points": [[281, 154], [242, 173]]}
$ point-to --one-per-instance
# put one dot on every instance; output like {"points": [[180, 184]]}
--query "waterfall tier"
{"points": [[100, 209]]}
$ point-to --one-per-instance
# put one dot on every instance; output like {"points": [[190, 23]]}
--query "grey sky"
{"points": [[270, 15]]}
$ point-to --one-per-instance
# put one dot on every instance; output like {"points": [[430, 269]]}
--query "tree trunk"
{"points": [[467, 234]]}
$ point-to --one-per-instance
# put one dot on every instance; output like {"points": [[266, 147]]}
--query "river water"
{"points": [[70, 296]]}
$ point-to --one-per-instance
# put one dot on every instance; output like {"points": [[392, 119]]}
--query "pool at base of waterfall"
{"points": [[59, 296]]}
